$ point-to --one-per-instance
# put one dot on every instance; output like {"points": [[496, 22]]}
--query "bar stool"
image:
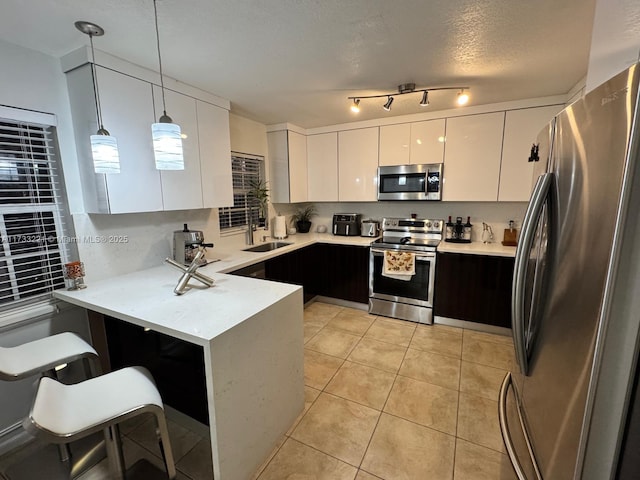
{"points": [[63, 413], [43, 356]]}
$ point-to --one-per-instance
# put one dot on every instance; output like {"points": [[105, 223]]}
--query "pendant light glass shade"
{"points": [[167, 137], [104, 149], [167, 145]]}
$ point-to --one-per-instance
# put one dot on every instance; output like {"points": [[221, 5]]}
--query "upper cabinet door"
{"points": [[297, 167], [394, 144], [358, 165], [127, 112], [427, 141], [322, 167], [520, 131], [472, 157], [181, 189], [215, 155]]}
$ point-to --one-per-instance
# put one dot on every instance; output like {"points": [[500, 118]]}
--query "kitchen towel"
{"points": [[280, 227], [399, 265]]}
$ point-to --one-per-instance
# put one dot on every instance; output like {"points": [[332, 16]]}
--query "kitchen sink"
{"points": [[266, 247]]}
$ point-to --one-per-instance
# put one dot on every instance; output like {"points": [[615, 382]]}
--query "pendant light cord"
{"points": [[96, 91], [155, 10]]}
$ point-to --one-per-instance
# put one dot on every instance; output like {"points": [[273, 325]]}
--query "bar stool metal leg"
{"points": [[114, 451]]}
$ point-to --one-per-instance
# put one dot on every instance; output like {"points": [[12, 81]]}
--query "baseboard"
{"points": [[339, 302]]}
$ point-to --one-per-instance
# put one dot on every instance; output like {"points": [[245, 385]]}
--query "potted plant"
{"points": [[259, 193], [302, 218]]}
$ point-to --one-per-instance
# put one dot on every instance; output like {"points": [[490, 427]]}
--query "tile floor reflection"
{"points": [[384, 399]]}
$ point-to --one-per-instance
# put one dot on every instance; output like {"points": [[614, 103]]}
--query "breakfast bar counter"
{"points": [[251, 333]]}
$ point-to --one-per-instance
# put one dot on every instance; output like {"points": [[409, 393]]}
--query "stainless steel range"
{"points": [[408, 297]]}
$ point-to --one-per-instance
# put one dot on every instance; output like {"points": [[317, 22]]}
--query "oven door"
{"points": [[417, 291]]}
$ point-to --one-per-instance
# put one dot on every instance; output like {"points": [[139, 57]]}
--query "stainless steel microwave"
{"points": [[410, 182]]}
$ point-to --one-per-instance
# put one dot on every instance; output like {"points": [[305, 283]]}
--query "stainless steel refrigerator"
{"points": [[575, 309]]}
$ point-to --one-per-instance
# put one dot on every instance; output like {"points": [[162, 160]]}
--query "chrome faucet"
{"points": [[251, 227]]}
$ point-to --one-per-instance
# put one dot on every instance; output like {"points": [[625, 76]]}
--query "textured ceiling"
{"points": [[297, 60]]}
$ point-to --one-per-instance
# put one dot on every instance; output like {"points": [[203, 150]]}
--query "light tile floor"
{"points": [[384, 399], [388, 399]]}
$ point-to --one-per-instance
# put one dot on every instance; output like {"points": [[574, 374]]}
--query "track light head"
{"points": [[425, 99], [387, 106], [463, 97], [355, 107]]}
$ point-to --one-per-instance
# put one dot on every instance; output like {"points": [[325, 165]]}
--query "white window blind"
{"points": [[32, 214], [245, 169]]}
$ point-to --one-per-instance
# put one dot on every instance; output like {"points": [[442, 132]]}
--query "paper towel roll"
{"points": [[279, 227]]}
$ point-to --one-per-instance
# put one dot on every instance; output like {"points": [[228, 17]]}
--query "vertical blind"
{"points": [[245, 169], [32, 214]]}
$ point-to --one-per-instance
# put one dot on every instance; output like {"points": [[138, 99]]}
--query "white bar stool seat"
{"points": [[43, 355], [62, 413]]}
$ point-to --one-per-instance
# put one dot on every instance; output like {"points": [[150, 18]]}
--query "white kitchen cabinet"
{"points": [[472, 157], [288, 158], [394, 144], [129, 107], [215, 155], [322, 167], [127, 111], [357, 165], [520, 131], [427, 142], [412, 143], [181, 189]]}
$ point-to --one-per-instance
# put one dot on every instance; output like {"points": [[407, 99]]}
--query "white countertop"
{"points": [[146, 298], [477, 248], [234, 258]]}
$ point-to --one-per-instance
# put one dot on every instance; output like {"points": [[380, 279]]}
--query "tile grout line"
{"points": [[385, 402]]}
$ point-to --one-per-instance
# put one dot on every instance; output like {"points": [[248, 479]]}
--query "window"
{"points": [[245, 169], [32, 210]]}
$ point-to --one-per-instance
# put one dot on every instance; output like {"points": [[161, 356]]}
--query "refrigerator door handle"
{"points": [[506, 435], [523, 251]]}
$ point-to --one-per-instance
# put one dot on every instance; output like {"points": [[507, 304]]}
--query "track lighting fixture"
{"points": [[425, 99], [405, 88], [167, 137], [104, 147], [463, 97]]}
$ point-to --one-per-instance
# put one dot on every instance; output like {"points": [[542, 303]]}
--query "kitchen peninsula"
{"points": [[251, 334]]}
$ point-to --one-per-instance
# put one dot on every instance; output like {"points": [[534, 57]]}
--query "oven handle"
{"points": [[419, 256]]}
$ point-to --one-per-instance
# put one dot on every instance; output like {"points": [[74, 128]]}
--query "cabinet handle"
{"points": [[523, 251]]}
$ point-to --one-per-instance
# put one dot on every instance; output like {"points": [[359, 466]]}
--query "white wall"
{"points": [[34, 81], [615, 39]]}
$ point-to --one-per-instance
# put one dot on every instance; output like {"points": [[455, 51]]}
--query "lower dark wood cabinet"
{"points": [[177, 366], [475, 288], [336, 271], [344, 272]]}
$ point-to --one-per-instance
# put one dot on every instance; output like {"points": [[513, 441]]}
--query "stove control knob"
{"points": [[436, 224], [428, 224]]}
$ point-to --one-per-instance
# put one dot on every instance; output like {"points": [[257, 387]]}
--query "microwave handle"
{"points": [[335, 228], [347, 229]]}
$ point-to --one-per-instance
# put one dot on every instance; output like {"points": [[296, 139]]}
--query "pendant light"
{"points": [[104, 147], [167, 137]]}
